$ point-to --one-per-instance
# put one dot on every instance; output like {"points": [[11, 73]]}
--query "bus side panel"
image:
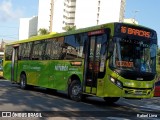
{"points": [[7, 70], [52, 74], [36, 72], [45, 74], [29, 68], [63, 71], [59, 69], [100, 87]]}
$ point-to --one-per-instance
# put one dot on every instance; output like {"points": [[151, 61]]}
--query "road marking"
{"points": [[117, 118]]}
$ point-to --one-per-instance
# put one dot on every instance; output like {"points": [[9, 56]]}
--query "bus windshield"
{"points": [[134, 55]]}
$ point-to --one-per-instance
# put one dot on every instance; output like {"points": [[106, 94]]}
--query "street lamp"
{"points": [[134, 17]]}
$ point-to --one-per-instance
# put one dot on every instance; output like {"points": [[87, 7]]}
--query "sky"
{"points": [[10, 13], [146, 12]]}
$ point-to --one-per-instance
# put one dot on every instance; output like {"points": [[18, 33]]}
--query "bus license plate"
{"points": [[138, 92]]}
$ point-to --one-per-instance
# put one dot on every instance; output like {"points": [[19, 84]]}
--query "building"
{"points": [[54, 15], [2, 45], [63, 14], [28, 27], [95, 12], [45, 12]]}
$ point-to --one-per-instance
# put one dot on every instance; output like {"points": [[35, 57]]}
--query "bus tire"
{"points": [[75, 91], [111, 100], [23, 81]]}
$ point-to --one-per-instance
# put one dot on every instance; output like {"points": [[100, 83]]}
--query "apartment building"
{"points": [[54, 15], [63, 14], [44, 14], [28, 27], [95, 12]]}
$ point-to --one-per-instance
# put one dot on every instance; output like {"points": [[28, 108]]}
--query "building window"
{"points": [[98, 9], [99, 2]]}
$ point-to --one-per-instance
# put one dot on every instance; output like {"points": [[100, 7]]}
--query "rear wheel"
{"points": [[75, 91], [23, 81], [111, 100]]}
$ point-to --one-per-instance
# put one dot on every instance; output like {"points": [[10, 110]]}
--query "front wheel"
{"points": [[75, 90], [111, 100], [23, 81]]}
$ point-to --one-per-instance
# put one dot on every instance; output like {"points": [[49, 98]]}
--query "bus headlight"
{"points": [[116, 82]]}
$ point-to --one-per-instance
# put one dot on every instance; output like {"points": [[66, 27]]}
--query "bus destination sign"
{"points": [[135, 31], [97, 32]]}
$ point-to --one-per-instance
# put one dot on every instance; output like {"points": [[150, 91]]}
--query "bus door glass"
{"points": [[93, 64], [14, 65]]}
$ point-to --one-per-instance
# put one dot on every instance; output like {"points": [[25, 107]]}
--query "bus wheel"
{"points": [[111, 100], [75, 91], [23, 81]]}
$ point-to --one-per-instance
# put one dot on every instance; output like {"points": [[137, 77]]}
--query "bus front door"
{"points": [[14, 65], [92, 64]]}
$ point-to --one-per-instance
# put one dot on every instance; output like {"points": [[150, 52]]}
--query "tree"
{"points": [[43, 31], [69, 28], [158, 51]]}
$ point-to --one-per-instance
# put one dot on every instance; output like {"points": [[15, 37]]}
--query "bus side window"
{"points": [[24, 51], [53, 48], [74, 46], [37, 51]]}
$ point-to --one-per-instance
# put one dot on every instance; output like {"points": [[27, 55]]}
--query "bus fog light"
{"points": [[116, 82], [112, 79]]}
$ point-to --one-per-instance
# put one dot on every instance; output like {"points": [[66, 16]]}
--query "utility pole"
{"points": [[51, 15]]}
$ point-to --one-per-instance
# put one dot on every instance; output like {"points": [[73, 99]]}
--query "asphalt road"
{"points": [[38, 103]]}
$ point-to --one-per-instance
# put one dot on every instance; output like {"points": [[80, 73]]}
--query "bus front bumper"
{"points": [[137, 93]]}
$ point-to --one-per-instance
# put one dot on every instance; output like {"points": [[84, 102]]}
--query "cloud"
{"points": [[7, 13]]}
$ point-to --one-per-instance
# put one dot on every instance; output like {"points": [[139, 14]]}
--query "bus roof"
{"points": [[82, 30]]}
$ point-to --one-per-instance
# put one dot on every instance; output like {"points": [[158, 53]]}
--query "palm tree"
{"points": [[43, 31], [69, 28]]}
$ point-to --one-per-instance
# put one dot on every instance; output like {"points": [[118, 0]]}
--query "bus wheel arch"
{"points": [[73, 78], [74, 88], [23, 80]]}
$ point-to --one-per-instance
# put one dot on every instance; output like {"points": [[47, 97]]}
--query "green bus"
{"points": [[109, 61], [1, 64]]}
